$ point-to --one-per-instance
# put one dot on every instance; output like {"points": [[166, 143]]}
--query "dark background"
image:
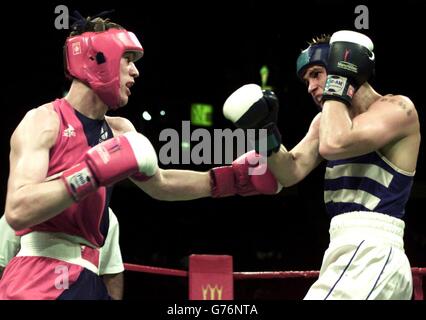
{"points": [[202, 52]]}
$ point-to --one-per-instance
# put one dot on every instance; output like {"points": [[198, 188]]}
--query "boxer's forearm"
{"points": [[114, 284], [36, 203], [335, 131], [175, 185], [282, 166], [290, 167]]}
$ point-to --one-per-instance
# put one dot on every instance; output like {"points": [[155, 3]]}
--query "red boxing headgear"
{"points": [[94, 58]]}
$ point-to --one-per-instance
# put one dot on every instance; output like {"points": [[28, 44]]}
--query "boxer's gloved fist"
{"points": [[109, 162], [350, 63], [246, 176], [250, 107]]}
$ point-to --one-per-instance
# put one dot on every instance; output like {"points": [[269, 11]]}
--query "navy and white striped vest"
{"points": [[366, 183]]}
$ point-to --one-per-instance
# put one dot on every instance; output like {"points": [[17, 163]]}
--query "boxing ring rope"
{"points": [[418, 274], [155, 270], [237, 275], [275, 274]]}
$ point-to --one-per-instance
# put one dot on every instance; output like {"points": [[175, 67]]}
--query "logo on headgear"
{"points": [[346, 55], [215, 292], [76, 48]]}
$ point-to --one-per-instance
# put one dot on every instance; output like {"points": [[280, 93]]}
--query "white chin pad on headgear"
{"points": [[241, 100]]}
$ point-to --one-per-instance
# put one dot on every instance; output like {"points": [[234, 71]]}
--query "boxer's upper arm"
{"points": [[30, 144], [387, 120]]}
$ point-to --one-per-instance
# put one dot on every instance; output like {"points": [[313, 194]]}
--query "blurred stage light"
{"points": [[146, 116]]}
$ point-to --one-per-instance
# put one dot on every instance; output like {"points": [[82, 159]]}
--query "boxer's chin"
{"points": [[317, 101]]}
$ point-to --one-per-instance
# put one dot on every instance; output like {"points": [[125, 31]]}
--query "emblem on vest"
{"points": [[69, 132]]}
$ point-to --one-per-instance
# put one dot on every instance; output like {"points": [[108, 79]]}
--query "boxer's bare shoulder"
{"points": [[41, 124], [120, 125]]}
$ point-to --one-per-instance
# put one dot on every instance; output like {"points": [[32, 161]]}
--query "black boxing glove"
{"points": [[350, 63], [250, 107]]}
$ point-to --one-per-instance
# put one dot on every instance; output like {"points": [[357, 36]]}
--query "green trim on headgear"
{"points": [[314, 54]]}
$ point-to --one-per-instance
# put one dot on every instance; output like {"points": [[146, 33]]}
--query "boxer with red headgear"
{"points": [[94, 58], [63, 220]]}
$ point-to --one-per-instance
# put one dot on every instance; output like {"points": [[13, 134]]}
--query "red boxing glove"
{"points": [[248, 175], [109, 162]]}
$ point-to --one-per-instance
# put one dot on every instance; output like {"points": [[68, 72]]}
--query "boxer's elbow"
{"points": [[328, 152], [17, 212], [15, 218], [332, 148]]}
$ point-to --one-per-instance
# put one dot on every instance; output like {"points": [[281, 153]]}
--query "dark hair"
{"points": [[93, 25], [89, 24], [323, 38]]}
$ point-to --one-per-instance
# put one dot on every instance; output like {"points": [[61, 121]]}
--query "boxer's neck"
{"points": [[85, 101], [364, 98]]}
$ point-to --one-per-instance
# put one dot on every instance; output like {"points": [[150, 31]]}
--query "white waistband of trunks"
{"points": [[57, 246], [369, 226]]}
